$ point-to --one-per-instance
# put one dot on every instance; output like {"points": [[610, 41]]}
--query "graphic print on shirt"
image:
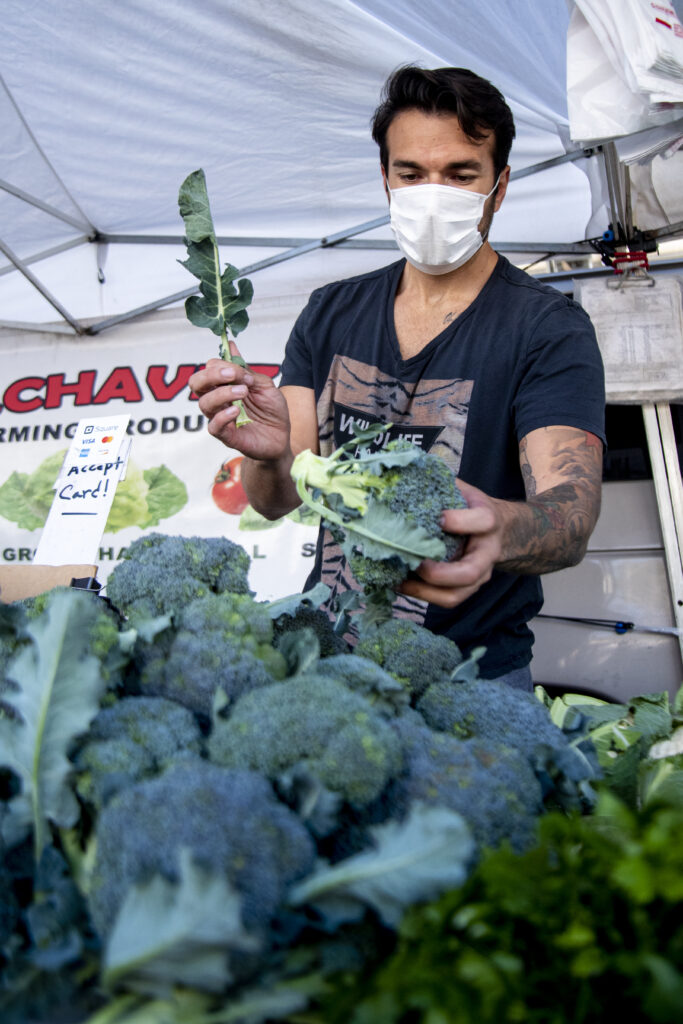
{"points": [[429, 413]]}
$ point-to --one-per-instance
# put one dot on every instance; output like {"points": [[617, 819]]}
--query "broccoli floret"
{"points": [[491, 785], [495, 713], [231, 822], [314, 722], [318, 621], [132, 740], [160, 574], [365, 676], [412, 654], [383, 508], [222, 641], [421, 490]]}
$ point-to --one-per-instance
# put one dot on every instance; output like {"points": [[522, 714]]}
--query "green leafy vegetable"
{"points": [[411, 861], [58, 680], [639, 745], [221, 307], [169, 934], [356, 838], [588, 918]]}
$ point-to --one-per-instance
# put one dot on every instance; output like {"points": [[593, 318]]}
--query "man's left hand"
{"points": [[448, 584]]}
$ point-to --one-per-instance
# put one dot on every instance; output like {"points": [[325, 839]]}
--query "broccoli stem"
{"points": [[224, 347]]}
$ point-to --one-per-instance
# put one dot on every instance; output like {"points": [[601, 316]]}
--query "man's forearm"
{"points": [[550, 530], [269, 486]]}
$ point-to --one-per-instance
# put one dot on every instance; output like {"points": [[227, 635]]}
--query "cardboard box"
{"points": [[20, 581]]}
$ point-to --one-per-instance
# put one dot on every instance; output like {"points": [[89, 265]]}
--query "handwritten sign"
{"points": [[84, 492]]}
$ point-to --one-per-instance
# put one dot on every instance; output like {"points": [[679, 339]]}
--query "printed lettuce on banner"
{"points": [[143, 498], [180, 480]]}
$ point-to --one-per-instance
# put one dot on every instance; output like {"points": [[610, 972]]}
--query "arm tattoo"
{"points": [[550, 530], [525, 466]]}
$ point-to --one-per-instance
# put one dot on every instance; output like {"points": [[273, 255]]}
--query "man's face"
{"points": [[433, 149]]}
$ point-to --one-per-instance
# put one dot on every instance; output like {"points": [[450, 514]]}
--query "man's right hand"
{"points": [[220, 385]]}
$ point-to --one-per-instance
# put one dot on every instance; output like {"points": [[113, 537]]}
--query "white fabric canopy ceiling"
{"points": [[107, 106]]}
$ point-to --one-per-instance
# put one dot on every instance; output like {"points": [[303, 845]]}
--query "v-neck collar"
{"points": [[448, 331]]}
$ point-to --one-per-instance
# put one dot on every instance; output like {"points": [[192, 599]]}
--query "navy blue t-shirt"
{"points": [[520, 357]]}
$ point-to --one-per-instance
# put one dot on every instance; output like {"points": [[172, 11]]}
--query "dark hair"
{"points": [[478, 105]]}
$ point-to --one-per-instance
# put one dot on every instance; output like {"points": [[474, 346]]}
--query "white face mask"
{"points": [[436, 226]]}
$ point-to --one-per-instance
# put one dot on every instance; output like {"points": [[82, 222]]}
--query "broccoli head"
{"points": [[160, 574], [134, 739], [383, 507], [314, 722], [495, 713], [231, 823], [412, 654], [222, 641], [492, 786]]}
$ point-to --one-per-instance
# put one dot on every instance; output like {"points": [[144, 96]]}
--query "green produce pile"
{"points": [[213, 810]]}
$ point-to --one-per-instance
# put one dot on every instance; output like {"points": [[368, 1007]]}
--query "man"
{"points": [[465, 354]]}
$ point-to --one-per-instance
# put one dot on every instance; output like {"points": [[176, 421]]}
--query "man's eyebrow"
{"points": [[455, 165]]}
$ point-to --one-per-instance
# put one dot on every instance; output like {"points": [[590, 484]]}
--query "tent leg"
{"points": [[669, 490]]}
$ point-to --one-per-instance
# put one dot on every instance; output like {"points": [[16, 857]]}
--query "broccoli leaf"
{"points": [[314, 597], [184, 1006], [652, 715], [221, 307], [661, 781], [177, 934], [60, 683], [380, 533], [412, 861]]}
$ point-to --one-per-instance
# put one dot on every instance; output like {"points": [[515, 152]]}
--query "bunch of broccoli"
{"points": [[384, 509], [209, 785]]}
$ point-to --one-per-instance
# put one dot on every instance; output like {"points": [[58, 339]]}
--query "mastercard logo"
{"points": [[106, 440]]}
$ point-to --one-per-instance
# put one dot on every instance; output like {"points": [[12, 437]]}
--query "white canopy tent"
{"points": [[106, 107]]}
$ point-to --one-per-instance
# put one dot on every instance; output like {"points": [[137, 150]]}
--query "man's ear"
{"points": [[503, 183]]}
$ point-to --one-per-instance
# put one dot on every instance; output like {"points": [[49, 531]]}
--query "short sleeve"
{"points": [[297, 365], [563, 380]]}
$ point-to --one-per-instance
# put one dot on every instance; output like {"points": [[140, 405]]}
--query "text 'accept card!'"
{"points": [[84, 492]]}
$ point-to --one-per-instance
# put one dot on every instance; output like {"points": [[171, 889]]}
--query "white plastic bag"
{"points": [[624, 67]]}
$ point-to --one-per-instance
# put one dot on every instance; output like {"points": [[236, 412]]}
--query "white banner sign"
{"points": [[179, 479]]}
